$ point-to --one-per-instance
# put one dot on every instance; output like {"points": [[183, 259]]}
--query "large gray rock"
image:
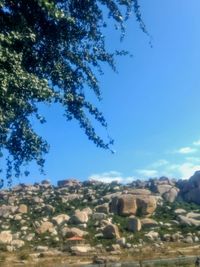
{"points": [[134, 224], [166, 188], [111, 231], [171, 195], [190, 190], [188, 221]]}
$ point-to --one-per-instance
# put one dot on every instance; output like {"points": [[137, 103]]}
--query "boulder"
{"points": [[121, 241], [81, 249], [71, 232], [69, 183], [190, 190], [148, 223], [61, 219], [5, 237], [134, 224], [48, 209], [176, 237], [37, 200], [104, 208], [111, 231], [45, 184], [79, 217], [180, 211], [115, 247], [99, 216], [46, 227], [22, 208], [17, 243], [188, 239], [171, 194], [17, 217], [124, 205], [146, 205], [88, 211], [163, 188], [193, 215], [152, 235], [128, 204], [42, 248], [5, 211], [188, 221], [166, 237]]}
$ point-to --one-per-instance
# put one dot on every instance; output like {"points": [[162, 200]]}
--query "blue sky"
{"points": [[151, 105]]}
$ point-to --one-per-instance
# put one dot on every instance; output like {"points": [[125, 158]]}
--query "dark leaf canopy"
{"points": [[50, 52]]}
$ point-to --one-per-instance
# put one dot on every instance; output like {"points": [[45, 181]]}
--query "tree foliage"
{"points": [[50, 52]]}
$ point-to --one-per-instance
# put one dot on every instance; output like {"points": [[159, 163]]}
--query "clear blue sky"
{"points": [[152, 105]]}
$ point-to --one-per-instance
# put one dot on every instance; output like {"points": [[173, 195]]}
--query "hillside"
{"points": [[94, 218]]}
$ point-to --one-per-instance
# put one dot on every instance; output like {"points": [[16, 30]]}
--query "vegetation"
{"points": [[50, 52], [24, 255]]}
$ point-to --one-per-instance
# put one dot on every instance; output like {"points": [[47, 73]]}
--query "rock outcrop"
{"points": [[166, 188], [129, 204], [41, 216], [190, 190], [124, 205]]}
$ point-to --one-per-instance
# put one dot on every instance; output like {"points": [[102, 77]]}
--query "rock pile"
{"points": [[74, 213]]}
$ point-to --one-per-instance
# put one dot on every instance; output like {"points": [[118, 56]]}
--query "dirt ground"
{"points": [[146, 253]]}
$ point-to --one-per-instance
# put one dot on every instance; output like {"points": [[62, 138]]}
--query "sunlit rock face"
{"points": [[166, 188], [74, 183], [46, 215], [124, 205], [131, 204]]}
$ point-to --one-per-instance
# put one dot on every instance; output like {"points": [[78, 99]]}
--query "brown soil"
{"points": [[169, 250]]}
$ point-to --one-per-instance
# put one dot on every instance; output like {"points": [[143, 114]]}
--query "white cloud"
{"points": [[186, 169], [186, 150], [183, 170], [159, 163], [147, 173], [108, 177], [196, 143]]}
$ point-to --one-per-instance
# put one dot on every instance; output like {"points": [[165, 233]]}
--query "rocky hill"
{"points": [[88, 217]]}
